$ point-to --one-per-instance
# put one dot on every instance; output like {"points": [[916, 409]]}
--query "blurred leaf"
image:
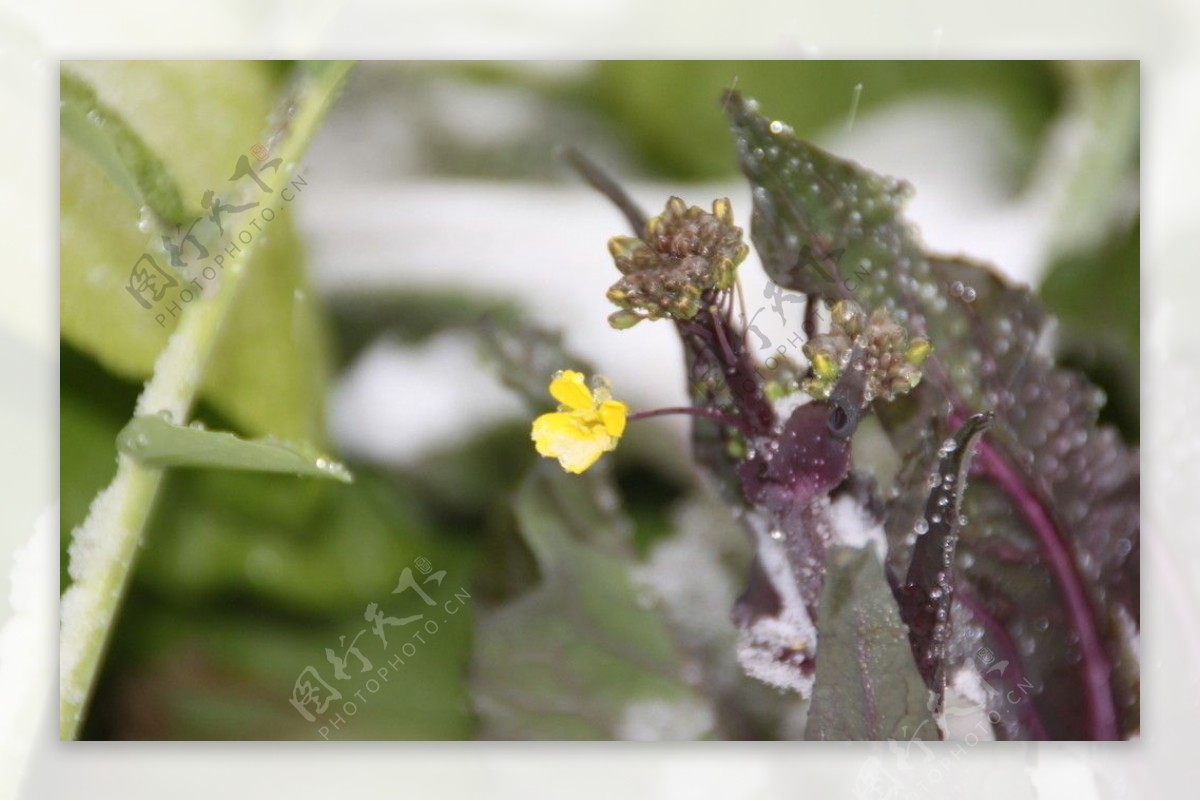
{"points": [[1100, 167], [159, 442], [306, 546], [665, 107], [101, 133], [268, 371], [411, 315], [525, 358], [198, 117], [194, 673], [1065, 488], [578, 657], [1096, 296], [867, 686]]}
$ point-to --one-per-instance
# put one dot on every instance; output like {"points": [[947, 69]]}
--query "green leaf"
{"points": [[198, 117], [650, 103], [1095, 294], [101, 132], [867, 685], [578, 657], [159, 442], [269, 369], [314, 548], [221, 672]]}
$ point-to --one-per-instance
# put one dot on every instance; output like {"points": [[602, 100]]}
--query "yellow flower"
{"points": [[587, 424]]}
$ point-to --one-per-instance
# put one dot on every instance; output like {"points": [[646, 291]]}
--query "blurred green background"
{"points": [[246, 579]]}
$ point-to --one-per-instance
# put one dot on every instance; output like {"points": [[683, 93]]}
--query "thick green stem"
{"points": [[104, 548]]}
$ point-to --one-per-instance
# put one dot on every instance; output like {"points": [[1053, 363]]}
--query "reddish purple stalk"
{"points": [[695, 411], [1005, 642], [1097, 671]]}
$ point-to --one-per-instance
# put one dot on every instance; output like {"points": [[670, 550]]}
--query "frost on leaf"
{"points": [[1046, 571]]}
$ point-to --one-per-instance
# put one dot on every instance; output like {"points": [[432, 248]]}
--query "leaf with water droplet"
{"points": [[269, 369], [867, 686], [925, 595], [152, 440], [1055, 496]]}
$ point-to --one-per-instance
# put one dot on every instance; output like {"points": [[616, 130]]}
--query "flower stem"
{"points": [[104, 548], [695, 411]]}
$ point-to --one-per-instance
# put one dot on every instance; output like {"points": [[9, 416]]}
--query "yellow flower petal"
{"points": [[569, 389], [587, 424], [612, 413], [568, 437]]}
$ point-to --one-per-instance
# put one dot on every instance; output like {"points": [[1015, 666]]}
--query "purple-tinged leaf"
{"points": [[1048, 562], [928, 589], [867, 687]]}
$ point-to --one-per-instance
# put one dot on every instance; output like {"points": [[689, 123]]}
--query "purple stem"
{"points": [[720, 329], [1102, 716], [695, 411], [998, 633]]}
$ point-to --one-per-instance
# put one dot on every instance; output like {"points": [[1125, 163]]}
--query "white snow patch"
{"points": [[852, 525], [397, 402], [965, 707], [759, 646], [685, 573]]}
